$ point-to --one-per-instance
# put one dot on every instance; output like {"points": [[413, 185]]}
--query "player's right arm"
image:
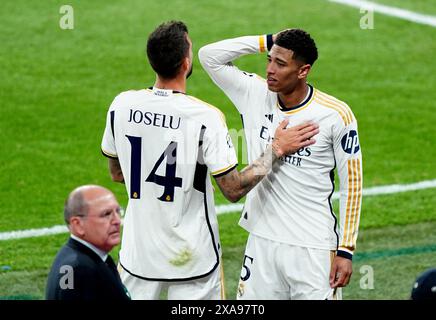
{"points": [[115, 170], [234, 185], [108, 147], [217, 58]]}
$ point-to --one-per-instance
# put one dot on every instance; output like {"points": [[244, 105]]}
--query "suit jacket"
{"points": [[78, 273]]}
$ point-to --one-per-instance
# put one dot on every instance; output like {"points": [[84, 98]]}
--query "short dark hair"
{"points": [[166, 48], [300, 42]]}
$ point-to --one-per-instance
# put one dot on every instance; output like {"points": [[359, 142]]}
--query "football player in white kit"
{"points": [[297, 248], [164, 144]]}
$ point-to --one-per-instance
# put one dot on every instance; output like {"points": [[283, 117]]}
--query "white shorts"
{"points": [[210, 287], [274, 270]]}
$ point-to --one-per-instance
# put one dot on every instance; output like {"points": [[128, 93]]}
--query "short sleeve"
{"points": [[108, 142], [218, 151]]}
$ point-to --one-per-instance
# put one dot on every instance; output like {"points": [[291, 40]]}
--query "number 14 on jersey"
{"points": [[169, 181]]}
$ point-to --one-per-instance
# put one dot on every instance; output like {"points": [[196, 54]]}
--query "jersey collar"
{"points": [[305, 102], [163, 92]]}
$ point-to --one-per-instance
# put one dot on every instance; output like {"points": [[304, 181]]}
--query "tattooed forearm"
{"points": [[236, 184], [252, 174]]}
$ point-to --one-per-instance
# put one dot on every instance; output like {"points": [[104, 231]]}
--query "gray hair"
{"points": [[75, 205]]}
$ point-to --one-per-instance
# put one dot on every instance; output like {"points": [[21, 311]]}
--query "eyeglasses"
{"points": [[107, 214]]}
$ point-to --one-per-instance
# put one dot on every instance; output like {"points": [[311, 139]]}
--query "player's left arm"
{"points": [[348, 157]]}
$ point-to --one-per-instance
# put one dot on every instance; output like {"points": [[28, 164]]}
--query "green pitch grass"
{"points": [[426, 7], [56, 86]]}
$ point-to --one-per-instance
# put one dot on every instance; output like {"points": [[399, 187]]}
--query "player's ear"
{"points": [[304, 71], [186, 65]]}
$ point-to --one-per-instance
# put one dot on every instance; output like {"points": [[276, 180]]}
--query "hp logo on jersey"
{"points": [[350, 142]]}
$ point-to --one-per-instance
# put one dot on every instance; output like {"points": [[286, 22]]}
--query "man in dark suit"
{"points": [[83, 268]]}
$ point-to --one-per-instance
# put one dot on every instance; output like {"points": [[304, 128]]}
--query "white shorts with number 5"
{"points": [[274, 270]]}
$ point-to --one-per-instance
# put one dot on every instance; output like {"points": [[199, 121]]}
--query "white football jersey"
{"points": [[168, 143], [293, 203]]}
